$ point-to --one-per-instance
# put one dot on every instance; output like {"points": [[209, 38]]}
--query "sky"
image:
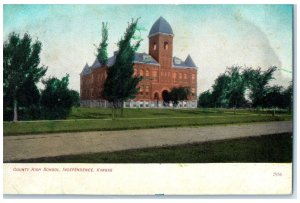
{"points": [[216, 36]]}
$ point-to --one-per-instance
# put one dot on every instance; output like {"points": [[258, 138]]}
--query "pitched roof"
{"points": [[138, 58], [161, 26], [144, 58], [188, 63], [86, 70], [96, 64]]}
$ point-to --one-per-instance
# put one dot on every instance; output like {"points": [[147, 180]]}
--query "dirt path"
{"points": [[47, 145]]}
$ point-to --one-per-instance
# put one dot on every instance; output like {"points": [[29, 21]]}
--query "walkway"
{"points": [[47, 145]]}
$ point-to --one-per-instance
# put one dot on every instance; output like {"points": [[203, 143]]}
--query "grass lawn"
{"points": [[267, 148], [19, 128], [105, 113], [96, 119]]}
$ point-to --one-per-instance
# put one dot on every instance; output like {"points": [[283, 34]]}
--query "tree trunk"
{"points": [[122, 107], [15, 103], [235, 107], [113, 111]]}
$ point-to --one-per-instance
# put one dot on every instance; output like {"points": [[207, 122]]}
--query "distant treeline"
{"points": [[247, 87]]}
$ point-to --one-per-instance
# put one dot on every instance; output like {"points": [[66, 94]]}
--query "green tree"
{"points": [[205, 99], [274, 97], [56, 99], [28, 102], [288, 97], [75, 98], [219, 90], [120, 84], [178, 94], [257, 82], [102, 49], [20, 65], [235, 91]]}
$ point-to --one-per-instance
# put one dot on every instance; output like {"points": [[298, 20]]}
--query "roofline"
{"points": [[185, 67], [160, 33], [155, 64]]}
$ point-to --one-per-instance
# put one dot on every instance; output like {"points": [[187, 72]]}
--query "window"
{"points": [[141, 72], [185, 76], [166, 45], [180, 76], [193, 76], [147, 88], [147, 72], [154, 73], [154, 46]]}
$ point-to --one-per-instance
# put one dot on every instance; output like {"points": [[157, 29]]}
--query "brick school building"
{"points": [[161, 72]]}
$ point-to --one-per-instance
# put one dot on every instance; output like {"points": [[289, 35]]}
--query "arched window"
{"points": [[154, 46], [166, 45]]}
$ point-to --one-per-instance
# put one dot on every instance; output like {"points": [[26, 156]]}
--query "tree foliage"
{"points": [[20, 67], [235, 91], [229, 90], [257, 82], [179, 94], [205, 99], [120, 84], [219, 91], [102, 49], [57, 99], [288, 97]]}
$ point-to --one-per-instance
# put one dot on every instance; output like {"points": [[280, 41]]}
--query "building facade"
{"points": [[160, 70]]}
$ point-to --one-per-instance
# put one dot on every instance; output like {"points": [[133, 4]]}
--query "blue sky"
{"points": [[216, 36]]}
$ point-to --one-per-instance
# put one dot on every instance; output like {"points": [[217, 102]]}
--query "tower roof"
{"points": [[86, 70], [189, 61], [161, 26]]}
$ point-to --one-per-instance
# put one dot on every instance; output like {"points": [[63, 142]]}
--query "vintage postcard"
{"points": [[184, 99]]}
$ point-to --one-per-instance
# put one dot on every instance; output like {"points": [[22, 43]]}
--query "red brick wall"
{"points": [[162, 54], [156, 78]]}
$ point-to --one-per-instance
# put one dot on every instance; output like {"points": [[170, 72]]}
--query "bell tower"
{"points": [[161, 43]]}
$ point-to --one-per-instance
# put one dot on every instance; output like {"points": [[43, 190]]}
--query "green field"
{"points": [[264, 149], [95, 119]]}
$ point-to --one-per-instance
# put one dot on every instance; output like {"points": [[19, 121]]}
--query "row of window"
{"points": [[166, 46], [163, 74]]}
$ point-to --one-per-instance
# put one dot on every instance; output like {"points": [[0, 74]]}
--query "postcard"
{"points": [[186, 99]]}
